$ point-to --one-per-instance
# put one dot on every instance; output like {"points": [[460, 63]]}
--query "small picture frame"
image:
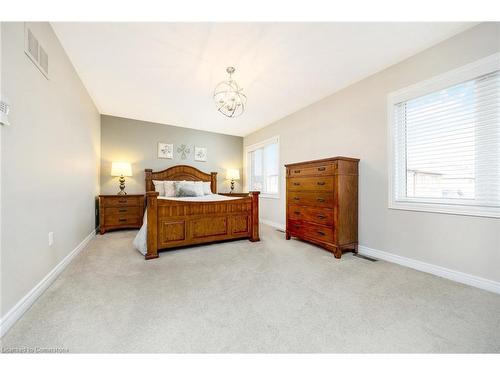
{"points": [[165, 150], [200, 153]]}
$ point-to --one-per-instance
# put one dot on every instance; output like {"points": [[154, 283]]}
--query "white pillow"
{"points": [[169, 188], [206, 188], [159, 187]]}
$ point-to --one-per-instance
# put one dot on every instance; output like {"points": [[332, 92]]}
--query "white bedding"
{"points": [[205, 198], [140, 240]]}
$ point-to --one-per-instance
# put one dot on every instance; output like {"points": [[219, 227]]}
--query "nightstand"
{"points": [[120, 211]]}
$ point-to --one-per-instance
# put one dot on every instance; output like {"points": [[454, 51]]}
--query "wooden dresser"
{"points": [[120, 211], [322, 203]]}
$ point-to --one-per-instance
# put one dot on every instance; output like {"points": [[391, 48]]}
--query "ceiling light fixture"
{"points": [[228, 96]]}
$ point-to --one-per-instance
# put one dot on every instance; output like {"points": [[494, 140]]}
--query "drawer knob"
{"points": [[296, 171], [122, 220], [123, 210], [122, 201], [296, 183], [321, 182], [321, 233], [321, 199], [321, 169], [297, 212], [321, 216], [296, 198]]}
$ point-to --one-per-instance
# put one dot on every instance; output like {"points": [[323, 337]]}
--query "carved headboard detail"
{"points": [[180, 173]]}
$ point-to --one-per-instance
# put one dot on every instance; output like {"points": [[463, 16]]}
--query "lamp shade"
{"points": [[233, 174], [121, 169]]}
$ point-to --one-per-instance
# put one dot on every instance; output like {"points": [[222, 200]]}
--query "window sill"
{"points": [[491, 212]]}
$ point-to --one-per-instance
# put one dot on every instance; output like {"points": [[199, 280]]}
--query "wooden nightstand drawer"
{"points": [[121, 220], [125, 210], [122, 200]]}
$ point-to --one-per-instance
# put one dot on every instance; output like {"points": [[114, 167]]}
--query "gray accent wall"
{"points": [[50, 162], [353, 122], [136, 142]]}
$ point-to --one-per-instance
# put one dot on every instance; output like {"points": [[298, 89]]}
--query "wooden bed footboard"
{"points": [[179, 223]]}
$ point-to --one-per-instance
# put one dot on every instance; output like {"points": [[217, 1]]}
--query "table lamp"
{"points": [[122, 170], [233, 175]]}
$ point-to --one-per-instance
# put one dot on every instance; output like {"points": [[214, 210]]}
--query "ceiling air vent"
{"points": [[35, 52]]}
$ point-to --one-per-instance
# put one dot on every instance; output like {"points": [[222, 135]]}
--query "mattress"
{"points": [[205, 198]]}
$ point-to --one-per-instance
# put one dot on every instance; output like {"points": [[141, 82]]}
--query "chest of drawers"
{"points": [[322, 203], [120, 211]]}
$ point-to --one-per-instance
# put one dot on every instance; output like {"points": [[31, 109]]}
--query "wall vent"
{"points": [[4, 113], [35, 52]]}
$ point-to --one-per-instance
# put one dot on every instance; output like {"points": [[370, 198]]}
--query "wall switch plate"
{"points": [[51, 238]]}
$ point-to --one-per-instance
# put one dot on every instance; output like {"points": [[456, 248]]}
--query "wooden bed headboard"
{"points": [[180, 173]]}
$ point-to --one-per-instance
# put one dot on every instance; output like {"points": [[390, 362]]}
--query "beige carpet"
{"points": [[271, 296]]}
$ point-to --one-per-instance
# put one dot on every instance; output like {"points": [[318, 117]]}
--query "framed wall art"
{"points": [[165, 150]]}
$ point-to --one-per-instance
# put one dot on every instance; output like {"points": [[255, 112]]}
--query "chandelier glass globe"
{"points": [[228, 96]]}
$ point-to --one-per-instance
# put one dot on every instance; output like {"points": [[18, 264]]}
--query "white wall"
{"points": [[353, 122], [136, 141], [50, 162]]}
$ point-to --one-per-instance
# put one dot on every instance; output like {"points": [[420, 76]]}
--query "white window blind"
{"points": [[446, 147], [263, 167]]}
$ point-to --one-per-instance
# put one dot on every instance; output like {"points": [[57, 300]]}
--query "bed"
{"points": [[174, 222]]}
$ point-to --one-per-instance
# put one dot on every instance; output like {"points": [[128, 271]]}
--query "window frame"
{"points": [[256, 146], [396, 158]]}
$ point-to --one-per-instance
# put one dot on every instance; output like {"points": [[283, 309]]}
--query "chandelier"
{"points": [[228, 96]]}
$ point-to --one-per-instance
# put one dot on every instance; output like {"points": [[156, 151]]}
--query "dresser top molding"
{"points": [[323, 160]]}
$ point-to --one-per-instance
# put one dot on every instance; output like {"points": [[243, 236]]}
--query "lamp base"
{"points": [[232, 187], [122, 186]]}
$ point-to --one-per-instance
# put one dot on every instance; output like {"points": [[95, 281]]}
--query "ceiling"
{"points": [[166, 72]]}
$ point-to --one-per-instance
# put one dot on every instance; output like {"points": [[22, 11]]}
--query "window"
{"points": [[263, 170], [445, 142]]}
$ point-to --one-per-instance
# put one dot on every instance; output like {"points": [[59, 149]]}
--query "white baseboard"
{"points": [[464, 278], [25, 303], [273, 224]]}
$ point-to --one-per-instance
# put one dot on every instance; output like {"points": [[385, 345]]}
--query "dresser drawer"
{"points": [[319, 170], [118, 211], [122, 201], [307, 230], [317, 199], [310, 183], [122, 220], [322, 216]]}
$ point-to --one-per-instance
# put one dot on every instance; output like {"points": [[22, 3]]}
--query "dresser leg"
{"points": [[102, 230], [288, 235], [355, 249], [337, 252]]}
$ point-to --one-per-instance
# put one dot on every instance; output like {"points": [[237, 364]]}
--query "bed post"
{"points": [[152, 224], [255, 216], [149, 182], [213, 182]]}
